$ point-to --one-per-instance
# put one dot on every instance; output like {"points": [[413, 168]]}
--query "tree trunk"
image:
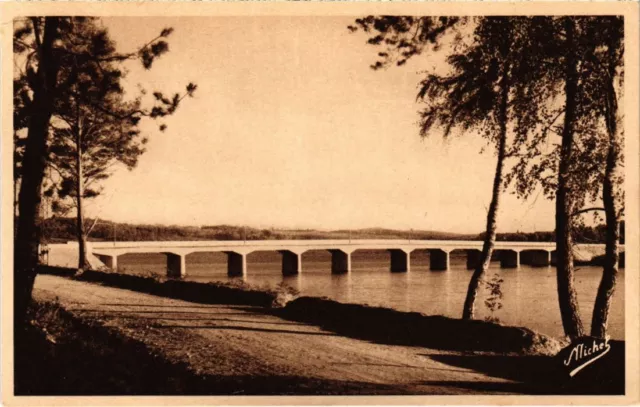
{"points": [[610, 272], [490, 235], [567, 296], [80, 235], [15, 203], [33, 166]]}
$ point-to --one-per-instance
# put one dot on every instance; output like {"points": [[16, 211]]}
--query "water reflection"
{"points": [[398, 293], [294, 281], [340, 286]]}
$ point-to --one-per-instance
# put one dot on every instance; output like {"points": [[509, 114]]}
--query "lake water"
{"points": [[529, 293]]}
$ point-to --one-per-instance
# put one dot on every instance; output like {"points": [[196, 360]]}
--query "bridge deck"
{"points": [[324, 244], [511, 254]]}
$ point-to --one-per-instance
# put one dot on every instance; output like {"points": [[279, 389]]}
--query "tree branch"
{"points": [[95, 221], [36, 32], [576, 213]]}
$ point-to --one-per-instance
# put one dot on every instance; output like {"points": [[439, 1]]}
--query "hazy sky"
{"points": [[290, 128]]}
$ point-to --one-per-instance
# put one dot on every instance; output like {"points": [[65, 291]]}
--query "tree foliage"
{"points": [[565, 73], [404, 37], [67, 66], [538, 130], [89, 83], [475, 94]]}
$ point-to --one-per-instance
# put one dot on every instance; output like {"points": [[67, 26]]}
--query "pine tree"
{"points": [[70, 66]]}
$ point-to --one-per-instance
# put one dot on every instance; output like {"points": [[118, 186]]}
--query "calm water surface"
{"points": [[529, 294]]}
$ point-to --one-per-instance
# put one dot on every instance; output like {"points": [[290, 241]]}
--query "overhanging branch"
{"points": [[581, 211]]}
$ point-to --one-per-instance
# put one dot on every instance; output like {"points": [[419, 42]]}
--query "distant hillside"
{"points": [[372, 233], [63, 229]]}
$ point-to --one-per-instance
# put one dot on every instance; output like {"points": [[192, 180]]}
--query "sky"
{"points": [[290, 128]]}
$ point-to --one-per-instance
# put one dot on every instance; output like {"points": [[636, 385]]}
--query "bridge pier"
{"points": [[438, 259], [340, 261], [176, 265], [236, 264], [291, 262], [109, 261], [536, 258], [400, 260], [473, 258], [509, 259]]}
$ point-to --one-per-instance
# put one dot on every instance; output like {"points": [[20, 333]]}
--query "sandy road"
{"points": [[224, 340]]}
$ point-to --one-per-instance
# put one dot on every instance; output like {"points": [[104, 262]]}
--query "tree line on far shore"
{"points": [[62, 230]]}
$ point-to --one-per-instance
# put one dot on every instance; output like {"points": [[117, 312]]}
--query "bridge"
{"points": [[510, 254]]}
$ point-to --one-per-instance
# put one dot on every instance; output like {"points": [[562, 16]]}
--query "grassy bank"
{"points": [[389, 326], [206, 293]]}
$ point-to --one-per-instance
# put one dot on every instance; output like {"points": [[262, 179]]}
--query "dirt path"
{"points": [[225, 340]]}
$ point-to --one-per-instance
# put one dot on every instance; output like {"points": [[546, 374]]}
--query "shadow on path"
{"points": [[135, 312], [376, 364], [517, 368], [158, 315], [483, 387], [92, 360], [547, 375], [243, 328], [204, 319], [169, 306]]}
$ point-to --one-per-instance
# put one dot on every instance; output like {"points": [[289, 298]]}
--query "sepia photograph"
{"points": [[320, 200]]}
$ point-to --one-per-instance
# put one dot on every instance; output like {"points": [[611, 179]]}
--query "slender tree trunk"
{"points": [[567, 296], [80, 235], [610, 272], [490, 234], [16, 180], [33, 166]]}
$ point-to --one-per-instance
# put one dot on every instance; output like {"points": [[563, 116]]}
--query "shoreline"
{"points": [[317, 282], [359, 320], [300, 348]]}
